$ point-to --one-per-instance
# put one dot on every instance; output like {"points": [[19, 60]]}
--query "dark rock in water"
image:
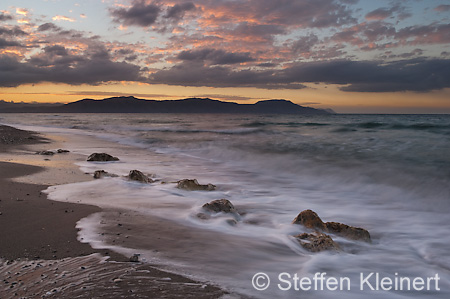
{"points": [[102, 157], [134, 258], [317, 242], [349, 232], [98, 174], [62, 151], [45, 153], [136, 175], [220, 205], [310, 219], [193, 185]]}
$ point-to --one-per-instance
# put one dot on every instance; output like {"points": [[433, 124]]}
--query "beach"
{"points": [[40, 255]]}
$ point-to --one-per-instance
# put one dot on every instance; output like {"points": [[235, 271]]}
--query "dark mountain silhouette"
{"points": [[190, 105]]}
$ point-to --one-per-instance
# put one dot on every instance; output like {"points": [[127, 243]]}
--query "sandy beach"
{"points": [[40, 255]]}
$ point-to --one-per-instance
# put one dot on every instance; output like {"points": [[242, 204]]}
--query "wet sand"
{"points": [[39, 251]]}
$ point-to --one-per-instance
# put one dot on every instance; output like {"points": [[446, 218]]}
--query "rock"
{"points": [[134, 258], [102, 157], [45, 153], [349, 232], [310, 219], [98, 174], [220, 205], [317, 242], [62, 151], [136, 175], [193, 185]]}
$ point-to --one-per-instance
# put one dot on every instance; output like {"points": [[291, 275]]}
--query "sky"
{"points": [[354, 56]]}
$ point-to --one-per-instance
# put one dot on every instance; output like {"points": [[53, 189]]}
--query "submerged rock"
{"points": [[193, 185], [220, 205], [317, 242], [62, 151], [310, 219], [136, 175], [349, 232], [102, 157], [135, 258], [98, 174], [45, 153]]}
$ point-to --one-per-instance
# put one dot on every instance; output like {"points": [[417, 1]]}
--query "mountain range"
{"points": [[131, 104]]}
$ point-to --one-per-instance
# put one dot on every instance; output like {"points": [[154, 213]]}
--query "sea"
{"points": [[389, 174]]}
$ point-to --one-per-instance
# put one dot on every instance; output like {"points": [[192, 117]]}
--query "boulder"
{"points": [[62, 151], [310, 219], [45, 153], [316, 242], [98, 174], [220, 205], [136, 175], [349, 232], [193, 185], [102, 157]]}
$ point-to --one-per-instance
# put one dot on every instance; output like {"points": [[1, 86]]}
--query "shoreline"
{"points": [[38, 231]]}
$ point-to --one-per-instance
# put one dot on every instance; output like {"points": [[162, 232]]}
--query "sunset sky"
{"points": [[349, 55]]}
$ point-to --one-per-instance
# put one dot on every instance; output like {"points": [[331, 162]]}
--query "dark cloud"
{"points": [[372, 76], [49, 26], [215, 57], [196, 74], [5, 17], [304, 44], [6, 43], [139, 14], [69, 69], [56, 50], [15, 31], [178, 11], [363, 76]]}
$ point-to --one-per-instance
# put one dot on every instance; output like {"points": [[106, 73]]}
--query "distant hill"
{"points": [[191, 105]]}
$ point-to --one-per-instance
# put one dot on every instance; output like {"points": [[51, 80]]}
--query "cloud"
{"points": [[214, 57], [14, 31], [372, 76], [442, 8], [5, 17], [49, 26], [62, 18], [139, 14], [22, 11], [362, 76], [178, 11], [56, 65], [5, 43], [304, 44]]}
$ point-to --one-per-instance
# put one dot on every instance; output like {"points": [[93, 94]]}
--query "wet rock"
{"points": [[98, 174], [136, 175], [349, 232], [134, 258], [309, 219], [62, 151], [193, 185], [220, 205], [102, 157], [317, 242], [45, 153]]}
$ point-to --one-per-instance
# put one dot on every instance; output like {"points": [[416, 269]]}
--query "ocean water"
{"points": [[389, 174]]}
